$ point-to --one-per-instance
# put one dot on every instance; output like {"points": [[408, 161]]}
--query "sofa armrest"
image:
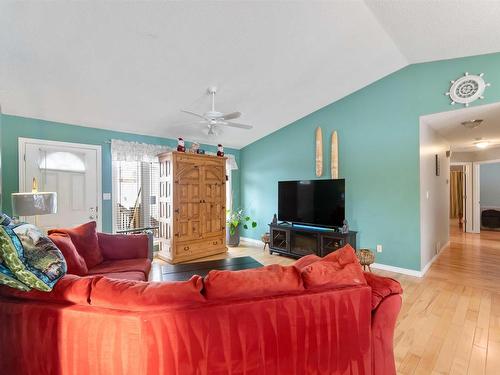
{"points": [[124, 246], [384, 319], [382, 287]]}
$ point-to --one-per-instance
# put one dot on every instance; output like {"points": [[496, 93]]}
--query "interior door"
{"points": [[214, 198], [71, 170], [188, 200]]}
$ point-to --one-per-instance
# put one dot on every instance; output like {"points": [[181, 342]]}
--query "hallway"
{"points": [[450, 319]]}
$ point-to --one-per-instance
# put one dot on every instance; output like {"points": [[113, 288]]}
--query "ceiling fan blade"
{"points": [[235, 125], [194, 114], [232, 115]]}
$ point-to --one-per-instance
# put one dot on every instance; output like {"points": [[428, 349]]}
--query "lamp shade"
{"points": [[31, 204]]}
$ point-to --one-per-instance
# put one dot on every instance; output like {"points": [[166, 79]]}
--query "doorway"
{"points": [[72, 170], [457, 196]]}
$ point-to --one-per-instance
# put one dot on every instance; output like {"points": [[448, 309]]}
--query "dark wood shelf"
{"points": [[297, 241]]}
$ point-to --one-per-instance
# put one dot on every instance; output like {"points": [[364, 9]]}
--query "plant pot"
{"points": [[232, 239]]}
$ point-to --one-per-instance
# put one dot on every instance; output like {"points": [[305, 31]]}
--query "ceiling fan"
{"points": [[213, 118]]}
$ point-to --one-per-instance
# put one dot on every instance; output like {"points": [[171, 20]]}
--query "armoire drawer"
{"points": [[202, 246]]}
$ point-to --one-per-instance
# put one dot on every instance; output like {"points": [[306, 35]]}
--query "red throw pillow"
{"points": [[142, 295], [257, 282], [340, 268], [74, 261], [84, 237], [69, 289], [305, 261]]}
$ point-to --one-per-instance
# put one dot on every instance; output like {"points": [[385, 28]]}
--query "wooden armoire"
{"points": [[192, 201]]}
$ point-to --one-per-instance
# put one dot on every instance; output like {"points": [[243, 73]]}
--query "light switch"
{"points": [[106, 196]]}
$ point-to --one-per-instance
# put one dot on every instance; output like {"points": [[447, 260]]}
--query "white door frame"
{"points": [[22, 142]]}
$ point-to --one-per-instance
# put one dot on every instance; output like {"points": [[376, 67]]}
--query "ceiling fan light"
{"points": [[472, 124]]}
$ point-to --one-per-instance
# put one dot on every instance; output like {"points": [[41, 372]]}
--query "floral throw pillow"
{"points": [[31, 257]]}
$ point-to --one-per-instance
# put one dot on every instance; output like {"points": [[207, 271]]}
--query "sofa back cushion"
{"points": [[305, 261], [257, 282], [69, 289], [340, 268], [31, 257], [75, 262], [84, 237], [144, 296]]}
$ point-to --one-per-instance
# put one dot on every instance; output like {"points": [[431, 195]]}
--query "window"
{"points": [[136, 192], [62, 161]]}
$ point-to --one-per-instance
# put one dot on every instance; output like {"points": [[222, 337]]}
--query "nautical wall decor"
{"points": [[319, 152], [467, 89], [334, 156]]}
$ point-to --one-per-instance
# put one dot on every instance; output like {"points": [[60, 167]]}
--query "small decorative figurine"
{"points": [[180, 145], [220, 150], [345, 227], [195, 147], [275, 219]]}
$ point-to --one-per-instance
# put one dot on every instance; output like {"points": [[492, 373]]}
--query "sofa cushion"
{"points": [[123, 246], [382, 287], [340, 268], [257, 282], [74, 261], [141, 296], [113, 266], [305, 261], [31, 256], [69, 289], [126, 275], [84, 238]]}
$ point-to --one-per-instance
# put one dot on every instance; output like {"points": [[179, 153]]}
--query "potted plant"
{"points": [[233, 221]]}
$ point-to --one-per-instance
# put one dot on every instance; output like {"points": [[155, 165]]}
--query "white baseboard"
{"points": [[251, 240], [404, 271], [380, 266], [428, 265]]}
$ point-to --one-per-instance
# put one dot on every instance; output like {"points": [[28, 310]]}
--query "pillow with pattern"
{"points": [[30, 256]]}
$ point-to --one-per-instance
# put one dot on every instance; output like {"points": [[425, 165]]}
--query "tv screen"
{"points": [[312, 202]]}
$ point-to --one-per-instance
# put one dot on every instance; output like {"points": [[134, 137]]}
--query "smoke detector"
{"points": [[472, 124]]}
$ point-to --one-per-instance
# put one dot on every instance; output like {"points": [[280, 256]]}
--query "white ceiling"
{"points": [[132, 66], [448, 125]]}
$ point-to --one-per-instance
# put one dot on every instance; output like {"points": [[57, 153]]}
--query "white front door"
{"points": [[71, 170]]}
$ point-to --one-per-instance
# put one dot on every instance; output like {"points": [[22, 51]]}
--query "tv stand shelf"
{"points": [[297, 241]]}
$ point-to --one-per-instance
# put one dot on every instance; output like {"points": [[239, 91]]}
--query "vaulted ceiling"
{"points": [[131, 66]]}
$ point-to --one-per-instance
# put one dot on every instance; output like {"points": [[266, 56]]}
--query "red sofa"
{"points": [[271, 320]]}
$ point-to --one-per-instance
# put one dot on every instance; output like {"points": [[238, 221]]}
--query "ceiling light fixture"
{"points": [[471, 124], [482, 144]]}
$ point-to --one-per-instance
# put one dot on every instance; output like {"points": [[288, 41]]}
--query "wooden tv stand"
{"points": [[297, 241]]}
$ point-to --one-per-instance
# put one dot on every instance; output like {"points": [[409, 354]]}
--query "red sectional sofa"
{"points": [[271, 320]]}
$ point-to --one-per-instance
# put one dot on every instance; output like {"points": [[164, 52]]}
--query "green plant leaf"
{"points": [[247, 218], [245, 226], [254, 224]]}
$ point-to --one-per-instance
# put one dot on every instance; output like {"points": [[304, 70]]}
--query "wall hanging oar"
{"points": [[319, 152], [334, 157]]}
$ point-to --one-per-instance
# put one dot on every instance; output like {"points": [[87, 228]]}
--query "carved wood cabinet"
{"points": [[192, 201]]}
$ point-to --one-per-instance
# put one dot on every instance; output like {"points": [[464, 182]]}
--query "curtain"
{"points": [[456, 194], [135, 151], [143, 152]]}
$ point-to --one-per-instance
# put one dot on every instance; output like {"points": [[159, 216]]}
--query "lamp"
{"points": [[34, 203]]}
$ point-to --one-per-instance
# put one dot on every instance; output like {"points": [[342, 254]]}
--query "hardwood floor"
{"points": [[450, 319]]}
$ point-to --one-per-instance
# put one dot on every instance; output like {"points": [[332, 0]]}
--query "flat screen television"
{"points": [[312, 202]]}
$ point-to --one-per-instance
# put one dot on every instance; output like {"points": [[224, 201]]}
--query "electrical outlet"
{"points": [[379, 248]]}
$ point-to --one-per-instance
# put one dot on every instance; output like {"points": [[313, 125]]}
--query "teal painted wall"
{"points": [[490, 184], [14, 127], [378, 128]]}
